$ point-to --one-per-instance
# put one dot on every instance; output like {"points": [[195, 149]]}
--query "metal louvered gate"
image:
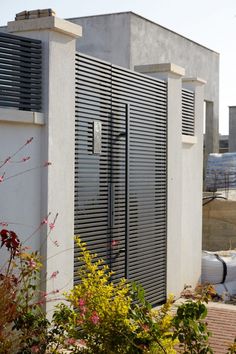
{"points": [[120, 171]]}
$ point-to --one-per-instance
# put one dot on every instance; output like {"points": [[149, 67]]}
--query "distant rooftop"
{"points": [[146, 19]]}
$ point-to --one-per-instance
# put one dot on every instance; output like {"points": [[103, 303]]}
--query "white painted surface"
{"points": [[185, 161], [56, 144], [160, 68], [26, 117], [45, 23], [174, 172], [174, 185], [187, 139], [20, 194], [192, 176]]}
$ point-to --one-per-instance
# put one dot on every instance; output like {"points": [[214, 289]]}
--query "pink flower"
{"points": [[83, 310], [29, 140], [114, 243], [81, 302], [2, 177], [35, 349], [47, 163], [82, 307], [51, 226], [41, 302], [32, 264], [7, 159], [4, 224], [25, 159], [82, 342], [54, 274], [44, 221], [70, 341], [95, 318]]}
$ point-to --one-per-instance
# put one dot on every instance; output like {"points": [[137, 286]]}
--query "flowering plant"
{"points": [[102, 316], [107, 317], [23, 327], [23, 323]]}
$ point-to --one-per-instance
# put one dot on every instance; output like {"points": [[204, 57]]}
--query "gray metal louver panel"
{"points": [[147, 99], [92, 171], [120, 198], [20, 72], [188, 112]]}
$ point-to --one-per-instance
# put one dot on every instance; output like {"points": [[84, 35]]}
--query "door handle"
{"points": [[112, 194]]}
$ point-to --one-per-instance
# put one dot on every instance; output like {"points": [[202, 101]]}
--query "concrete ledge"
{"points": [[46, 23], [187, 139], [194, 80], [160, 68], [24, 117]]}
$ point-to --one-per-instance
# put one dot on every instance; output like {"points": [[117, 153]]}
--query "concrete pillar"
{"points": [[57, 143], [172, 74], [192, 181], [196, 85], [232, 129], [212, 128]]}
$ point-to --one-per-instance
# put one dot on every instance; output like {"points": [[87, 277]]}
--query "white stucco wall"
{"points": [[106, 37], [23, 214], [192, 177], [48, 189]]}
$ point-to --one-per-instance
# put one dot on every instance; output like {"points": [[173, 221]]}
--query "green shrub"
{"points": [[111, 318], [191, 329], [23, 323]]}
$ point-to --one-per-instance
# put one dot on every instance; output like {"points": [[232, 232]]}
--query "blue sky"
{"points": [[209, 22]]}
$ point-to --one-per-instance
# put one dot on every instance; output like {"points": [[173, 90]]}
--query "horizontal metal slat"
{"points": [[20, 52], [15, 39], [20, 72], [20, 60], [145, 160], [136, 77], [188, 112], [126, 88], [27, 107]]}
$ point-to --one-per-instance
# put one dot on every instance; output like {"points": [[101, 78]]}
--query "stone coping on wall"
{"points": [[45, 23], [23, 117], [187, 139], [170, 68]]}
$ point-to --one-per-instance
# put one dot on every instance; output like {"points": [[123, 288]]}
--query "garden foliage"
{"points": [[112, 317], [98, 316]]}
